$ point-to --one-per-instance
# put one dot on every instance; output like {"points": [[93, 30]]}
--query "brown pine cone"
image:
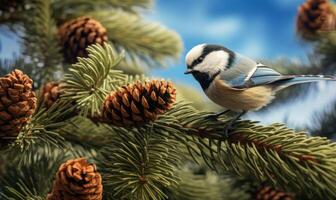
{"points": [[77, 34], [315, 16], [138, 103], [269, 193], [77, 180], [50, 93], [17, 103]]}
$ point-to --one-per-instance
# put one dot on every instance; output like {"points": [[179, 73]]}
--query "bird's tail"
{"points": [[298, 79]]}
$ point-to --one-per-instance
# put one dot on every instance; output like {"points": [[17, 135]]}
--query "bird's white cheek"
{"points": [[205, 68], [217, 60]]}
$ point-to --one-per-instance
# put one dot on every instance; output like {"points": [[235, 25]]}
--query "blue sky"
{"points": [[261, 29]]}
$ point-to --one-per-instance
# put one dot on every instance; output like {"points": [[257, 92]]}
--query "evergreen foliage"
{"points": [[182, 154]]}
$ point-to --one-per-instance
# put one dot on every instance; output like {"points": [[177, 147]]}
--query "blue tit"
{"points": [[237, 82]]}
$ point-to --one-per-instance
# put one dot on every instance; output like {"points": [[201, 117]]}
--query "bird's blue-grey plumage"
{"points": [[246, 73], [237, 82], [241, 69]]}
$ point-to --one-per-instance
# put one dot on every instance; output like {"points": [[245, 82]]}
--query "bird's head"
{"points": [[205, 61]]}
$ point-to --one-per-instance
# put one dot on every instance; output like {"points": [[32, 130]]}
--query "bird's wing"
{"points": [[265, 75], [262, 75], [239, 71]]}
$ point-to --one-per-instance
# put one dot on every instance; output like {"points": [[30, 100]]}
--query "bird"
{"points": [[237, 82]]}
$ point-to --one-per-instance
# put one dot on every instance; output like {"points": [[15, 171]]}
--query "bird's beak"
{"points": [[189, 71]]}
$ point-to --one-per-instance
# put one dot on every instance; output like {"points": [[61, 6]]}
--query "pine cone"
{"points": [[17, 103], [77, 180], [269, 193], [315, 16], [138, 103], [77, 34], [50, 93]]}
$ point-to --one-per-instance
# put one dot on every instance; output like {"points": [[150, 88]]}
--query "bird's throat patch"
{"points": [[204, 78]]}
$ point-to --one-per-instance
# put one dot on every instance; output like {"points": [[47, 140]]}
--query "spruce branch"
{"points": [[140, 163], [273, 153], [144, 42], [209, 186], [91, 79], [62, 8], [34, 170], [20, 192], [83, 132], [40, 43], [43, 127]]}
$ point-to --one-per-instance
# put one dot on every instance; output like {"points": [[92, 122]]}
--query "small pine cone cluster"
{"points": [[269, 193], [138, 103], [50, 93], [315, 16], [17, 103], [77, 180], [77, 34]]}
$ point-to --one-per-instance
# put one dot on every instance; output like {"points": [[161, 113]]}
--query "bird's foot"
{"points": [[230, 124], [211, 116], [227, 130], [216, 115]]}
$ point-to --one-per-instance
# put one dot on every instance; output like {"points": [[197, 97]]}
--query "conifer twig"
{"points": [[41, 46], [91, 79], [273, 153], [144, 42]]}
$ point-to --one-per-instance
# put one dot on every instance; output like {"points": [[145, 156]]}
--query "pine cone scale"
{"points": [[315, 17], [269, 193], [77, 180], [77, 34], [138, 103], [51, 93], [17, 103]]}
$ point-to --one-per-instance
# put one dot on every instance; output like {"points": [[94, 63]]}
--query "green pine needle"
{"points": [[140, 163], [147, 43], [91, 79], [41, 46], [290, 160]]}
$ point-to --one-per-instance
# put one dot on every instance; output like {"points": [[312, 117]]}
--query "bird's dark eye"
{"points": [[197, 61], [200, 59]]}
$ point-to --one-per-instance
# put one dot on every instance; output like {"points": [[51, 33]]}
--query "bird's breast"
{"points": [[239, 99]]}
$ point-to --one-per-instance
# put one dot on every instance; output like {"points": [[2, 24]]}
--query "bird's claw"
{"points": [[211, 117], [226, 131]]}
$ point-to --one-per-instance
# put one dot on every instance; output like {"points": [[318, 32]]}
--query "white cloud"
{"points": [[253, 47], [199, 23], [223, 27]]}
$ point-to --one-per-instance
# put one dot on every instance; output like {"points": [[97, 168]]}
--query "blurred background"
{"points": [[44, 37], [263, 30]]}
